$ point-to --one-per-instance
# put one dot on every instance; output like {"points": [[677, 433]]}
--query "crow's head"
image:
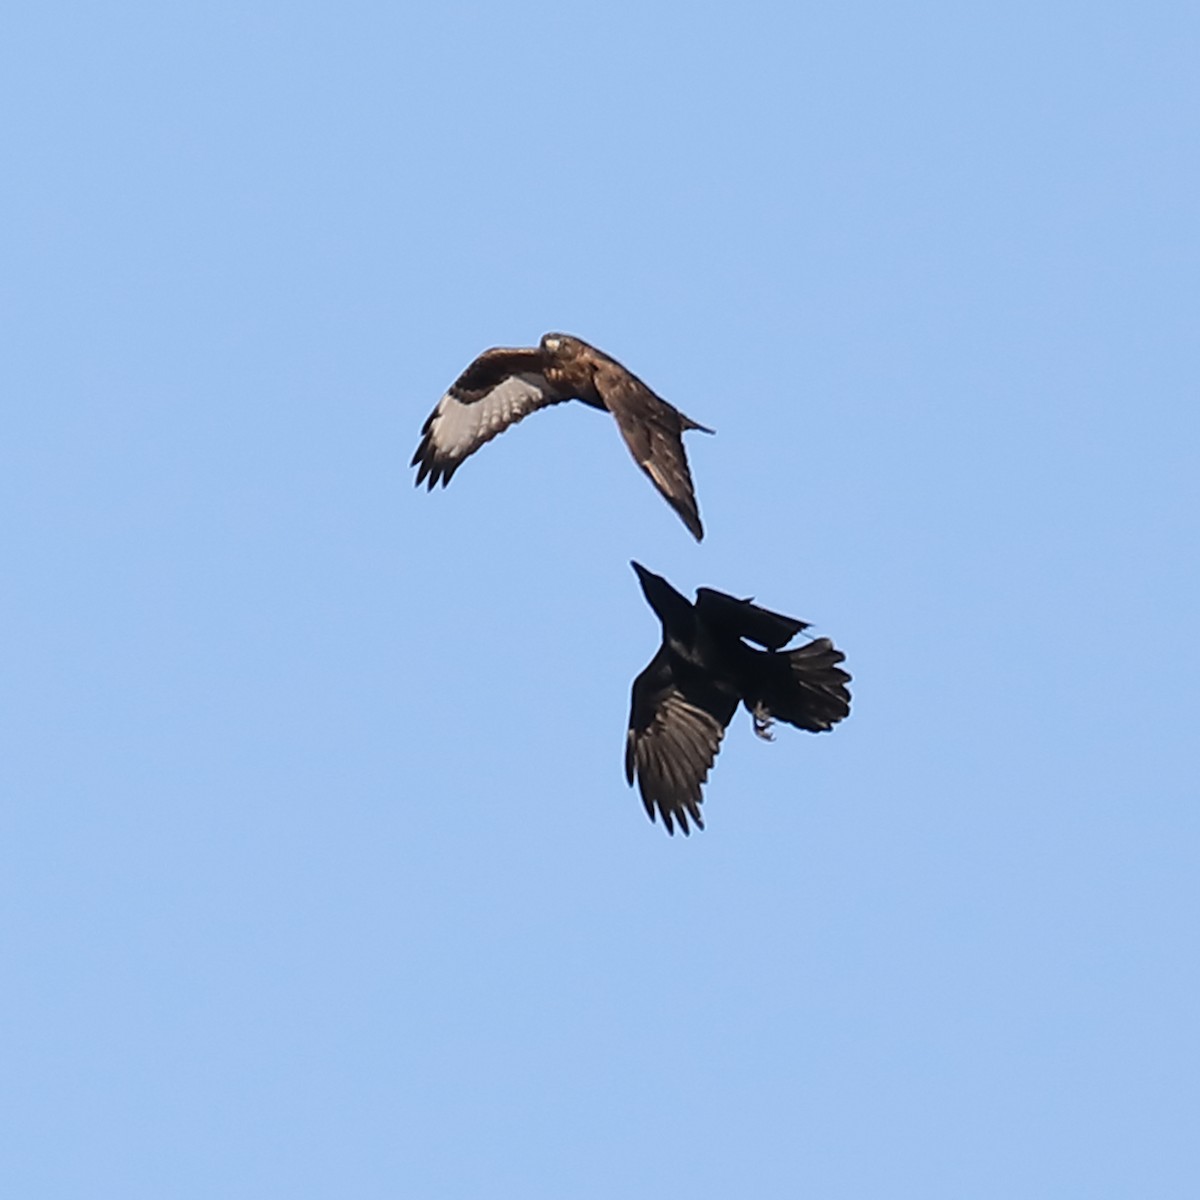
{"points": [[670, 606]]}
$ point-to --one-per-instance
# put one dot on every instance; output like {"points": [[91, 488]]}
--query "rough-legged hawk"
{"points": [[503, 385]]}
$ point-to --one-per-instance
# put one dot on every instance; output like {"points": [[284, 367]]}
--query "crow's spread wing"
{"points": [[499, 388], [672, 742], [745, 619]]}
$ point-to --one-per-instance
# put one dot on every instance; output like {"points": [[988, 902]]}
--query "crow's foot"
{"points": [[763, 721]]}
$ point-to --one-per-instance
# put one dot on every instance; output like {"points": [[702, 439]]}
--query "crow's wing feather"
{"points": [[672, 742], [745, 619]]}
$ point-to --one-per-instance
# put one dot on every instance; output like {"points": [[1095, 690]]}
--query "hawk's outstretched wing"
{"points": [[653, 431], [499, 388], [672, 742]]}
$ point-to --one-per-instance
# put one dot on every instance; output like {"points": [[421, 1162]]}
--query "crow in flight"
{"points": [[503, 385], [685, 698]]}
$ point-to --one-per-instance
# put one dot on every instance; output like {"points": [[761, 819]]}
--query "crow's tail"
{"points": [[805, 688]]}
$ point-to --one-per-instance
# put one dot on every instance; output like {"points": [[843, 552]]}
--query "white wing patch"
{"points": [[457, 428]]}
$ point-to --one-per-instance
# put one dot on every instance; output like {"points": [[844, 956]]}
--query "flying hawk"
{"points": [[685, 698], [503, 385]]}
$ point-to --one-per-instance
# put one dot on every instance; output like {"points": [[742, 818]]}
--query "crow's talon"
{"points": [[763, 722]]}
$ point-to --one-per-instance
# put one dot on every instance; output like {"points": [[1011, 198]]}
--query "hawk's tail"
{"points": [[686, 423]]}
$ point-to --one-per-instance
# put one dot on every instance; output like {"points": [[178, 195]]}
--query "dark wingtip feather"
{"points": [[666, 816]]}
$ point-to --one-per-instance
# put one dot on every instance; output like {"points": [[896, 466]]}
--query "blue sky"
{"points": [[320, 876]]}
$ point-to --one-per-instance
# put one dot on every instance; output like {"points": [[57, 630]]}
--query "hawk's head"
{"points": [[561, 345]]}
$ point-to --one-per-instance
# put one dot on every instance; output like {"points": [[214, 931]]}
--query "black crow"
{"points": [[503, 385], [685, 698]]}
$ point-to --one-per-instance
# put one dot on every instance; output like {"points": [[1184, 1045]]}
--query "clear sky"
{"points": [[320, 876]]}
